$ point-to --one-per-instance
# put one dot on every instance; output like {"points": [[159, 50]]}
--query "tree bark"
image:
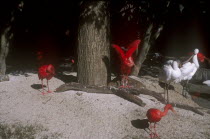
{"points": [[143, 51], [94, 43], [6, 36], [4, 49], [128, 94]]}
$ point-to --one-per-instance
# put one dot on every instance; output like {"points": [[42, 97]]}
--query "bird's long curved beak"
{"points": [[172, 109], [188, 59]]}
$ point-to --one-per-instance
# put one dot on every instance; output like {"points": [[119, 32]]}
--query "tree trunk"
{"points": [[94, 43], [149, 39], [4, 49], [143, 51]]}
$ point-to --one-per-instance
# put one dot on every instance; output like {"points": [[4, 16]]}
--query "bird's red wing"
{"points": [[119, 51], [42, 72], [153, 115], [132, 48]]}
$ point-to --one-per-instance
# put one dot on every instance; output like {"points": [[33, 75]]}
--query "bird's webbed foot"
{"points": [[49, 91], [44, 93]]}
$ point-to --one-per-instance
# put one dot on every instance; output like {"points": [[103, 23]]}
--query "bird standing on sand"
{"points": [[188, 69], [155, 115], [46, 71], [170, 73], [126, 60]]}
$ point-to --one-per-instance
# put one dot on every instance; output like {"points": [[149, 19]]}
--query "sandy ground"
{"points": [[80, 115]]}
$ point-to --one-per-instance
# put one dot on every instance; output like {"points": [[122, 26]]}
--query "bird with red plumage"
{"points": [[155, 115], [46, 72], [126, 60]]}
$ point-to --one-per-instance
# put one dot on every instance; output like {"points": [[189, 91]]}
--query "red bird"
{"points": [[155, 115], [126, 60], [46, 71]]}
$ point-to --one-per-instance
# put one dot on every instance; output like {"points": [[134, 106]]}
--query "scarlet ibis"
{"points": [[170, 73], [46, 71], [155, 115], [188, 69], [126, 60]]}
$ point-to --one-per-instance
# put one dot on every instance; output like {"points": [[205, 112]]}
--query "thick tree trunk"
{"points": [[4, 49], [94, 43], [149, 39]]}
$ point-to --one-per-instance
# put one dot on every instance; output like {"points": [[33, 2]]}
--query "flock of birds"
{"points": [[173, 71]]}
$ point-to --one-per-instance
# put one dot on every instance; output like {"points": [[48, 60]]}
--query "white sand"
{"points": [[80, 115]]}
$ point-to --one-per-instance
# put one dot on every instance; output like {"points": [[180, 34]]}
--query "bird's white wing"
{"points": [[207, 82], [165, 74], [187, 69], [192, 73], [186, 64]]}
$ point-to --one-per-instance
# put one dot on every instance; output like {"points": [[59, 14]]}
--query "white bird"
{"points": [[170, 73], [207, 82], [189, 69]]}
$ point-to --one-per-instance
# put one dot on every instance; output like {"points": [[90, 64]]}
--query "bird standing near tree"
{"points": [[155, 115], [46, 72], [126, 60]]}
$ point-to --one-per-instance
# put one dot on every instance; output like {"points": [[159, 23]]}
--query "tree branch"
{"points": [[128, 94]]}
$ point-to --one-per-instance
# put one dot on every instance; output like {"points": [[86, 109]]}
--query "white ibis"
{"points": [[170, 73], [188, 69]]}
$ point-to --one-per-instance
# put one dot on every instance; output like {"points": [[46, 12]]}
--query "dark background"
{"points": [[51, 26]]}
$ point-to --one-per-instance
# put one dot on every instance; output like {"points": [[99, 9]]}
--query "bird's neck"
{"points": [[175, 65], [195, 61], [164, 112]]}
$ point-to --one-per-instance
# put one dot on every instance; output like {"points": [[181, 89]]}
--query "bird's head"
{"points": [[169, 62], [179, 63], [196, 51], [50, 69], [129, 62], [169, 107]]}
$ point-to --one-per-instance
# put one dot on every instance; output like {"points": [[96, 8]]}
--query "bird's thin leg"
{"points": [[126, 81], [185, 85], [155, 134], [43, 88], [187, 89], [122, 81], [151, 133], [167, 92], [48, 88], [183, 88]]}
